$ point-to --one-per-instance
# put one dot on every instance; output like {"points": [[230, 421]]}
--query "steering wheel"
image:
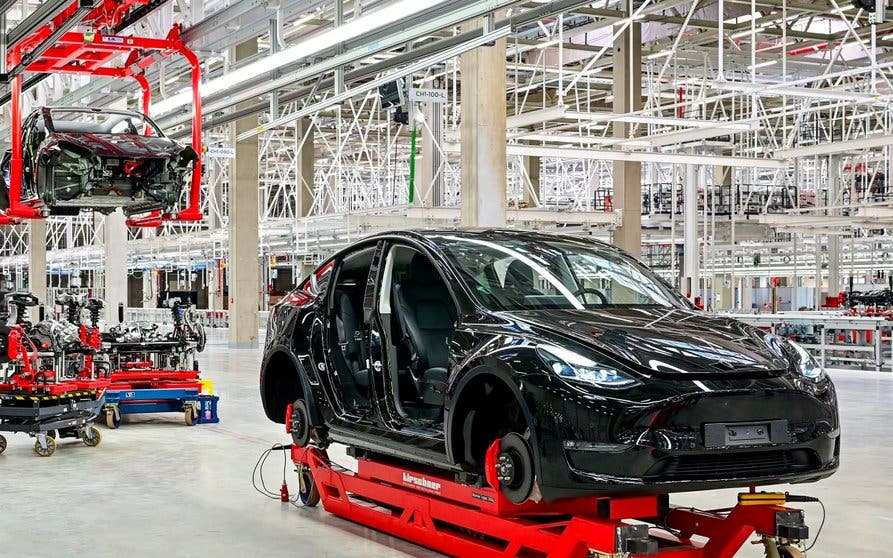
{"points": [[580, 293]]}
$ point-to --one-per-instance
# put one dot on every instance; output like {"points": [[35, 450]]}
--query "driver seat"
{"points": [[427, 317]]}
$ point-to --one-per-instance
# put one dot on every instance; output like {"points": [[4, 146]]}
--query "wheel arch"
{"points": [[284, 380], [464, 391]]}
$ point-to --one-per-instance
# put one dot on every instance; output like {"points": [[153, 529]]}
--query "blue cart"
{"points": [[197, 408]]}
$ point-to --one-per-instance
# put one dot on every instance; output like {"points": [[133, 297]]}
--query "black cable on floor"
{"points": [[822, 524], [257, 473]]}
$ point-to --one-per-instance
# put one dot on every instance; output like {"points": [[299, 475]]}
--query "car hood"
{"points": [[120, 145], [668, 341]]}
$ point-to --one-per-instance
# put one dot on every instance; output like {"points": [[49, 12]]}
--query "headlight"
{"points": [[807, 364], [575, 367]]}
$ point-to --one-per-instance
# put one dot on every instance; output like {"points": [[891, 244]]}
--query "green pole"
{"points": [[412, 166]]}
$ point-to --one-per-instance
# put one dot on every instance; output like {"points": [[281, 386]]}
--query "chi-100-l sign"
{"points": [[221, 152], [428, 95]]}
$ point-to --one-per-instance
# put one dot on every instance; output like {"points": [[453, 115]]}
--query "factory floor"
{"points": [[157, 488]]}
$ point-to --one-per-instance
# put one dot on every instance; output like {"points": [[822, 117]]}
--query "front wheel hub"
{"points": [[297, 424], [506, 467]]}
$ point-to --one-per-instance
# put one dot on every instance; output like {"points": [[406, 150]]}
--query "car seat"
{"points": [[427, 318], [349, 341]]}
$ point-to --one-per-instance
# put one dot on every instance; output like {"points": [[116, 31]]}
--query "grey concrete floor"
{"points": [[157, 488]]}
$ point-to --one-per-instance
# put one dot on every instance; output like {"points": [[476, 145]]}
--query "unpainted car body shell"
{"points": [[70, 171]]}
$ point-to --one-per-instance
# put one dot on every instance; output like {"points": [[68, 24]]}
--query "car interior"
{"points": [[537, 280], [349, 350], [422, 319]]}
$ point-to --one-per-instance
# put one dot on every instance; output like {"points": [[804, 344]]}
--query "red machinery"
{"points": [[462, 520], [52, 48], [158, 374], [47, 390]]}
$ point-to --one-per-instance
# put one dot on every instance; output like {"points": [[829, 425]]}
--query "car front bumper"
{"points": [[639, 442]]}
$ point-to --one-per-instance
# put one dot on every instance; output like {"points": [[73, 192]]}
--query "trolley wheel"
{"points": [[514, 468], [112, 419], [190, 414], [91, 436], [2, 444], [307, 490], [49, 450], [790, 552], [300, 424]]}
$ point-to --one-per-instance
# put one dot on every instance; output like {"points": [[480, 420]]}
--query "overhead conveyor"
{"points": [[52, 48]]}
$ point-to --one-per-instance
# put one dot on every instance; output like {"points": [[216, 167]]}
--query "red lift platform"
{"points": [[54, 49], [461, 520]]}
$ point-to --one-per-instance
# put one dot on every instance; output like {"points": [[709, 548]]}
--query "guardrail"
{"points": [[833, 337], [208, 318]]}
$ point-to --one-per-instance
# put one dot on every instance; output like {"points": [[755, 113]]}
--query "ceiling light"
{"points": [[661, 54], [547, 44], [535, 117], [353, 29], [304, 20], [762, 64], [747, 33]]}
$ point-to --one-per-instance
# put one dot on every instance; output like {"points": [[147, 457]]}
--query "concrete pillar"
{"points": [[483, 141], [690, 247], [306, 158], [114, 245], [819, 299], [723, 292], [215, 301], [833, 239], [532, 190], [244, 234], [37, 259], [429, 175], [627, 90], [746, 293]]}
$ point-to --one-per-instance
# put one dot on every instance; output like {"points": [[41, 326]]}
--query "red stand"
{"points": [[460, 520]]}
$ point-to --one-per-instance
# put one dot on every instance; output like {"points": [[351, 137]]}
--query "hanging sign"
{"points": [[428, 95], [221, 152]]}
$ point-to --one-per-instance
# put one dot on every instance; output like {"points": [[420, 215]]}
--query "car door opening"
{"points": [[424, 318], [347, 330]]}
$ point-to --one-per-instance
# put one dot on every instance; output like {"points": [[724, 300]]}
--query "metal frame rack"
{"points": [[834, 338]]}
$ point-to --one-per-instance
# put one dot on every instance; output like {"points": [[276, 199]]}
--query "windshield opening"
{"points": [[88, 121], [508, 273]]}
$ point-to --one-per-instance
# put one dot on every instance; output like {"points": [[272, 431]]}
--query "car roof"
{"points": [[493, 234]]}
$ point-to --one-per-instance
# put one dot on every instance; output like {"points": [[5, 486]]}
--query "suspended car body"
{"points": [[99, 159]]}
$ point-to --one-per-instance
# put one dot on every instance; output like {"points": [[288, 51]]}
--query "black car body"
{"points": [[429, 346], [100, 159]]}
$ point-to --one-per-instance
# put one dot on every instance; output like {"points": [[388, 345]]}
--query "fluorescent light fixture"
{"points": [[762, 64], [686, 122], [363, 25], [747, 33], [793, 91], [740, 19], [547, 44], [536, 117], [583, 140], [304, 19], [661, 54]]}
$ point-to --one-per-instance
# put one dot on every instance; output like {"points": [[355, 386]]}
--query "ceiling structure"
{"points": [[786, 112]]}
